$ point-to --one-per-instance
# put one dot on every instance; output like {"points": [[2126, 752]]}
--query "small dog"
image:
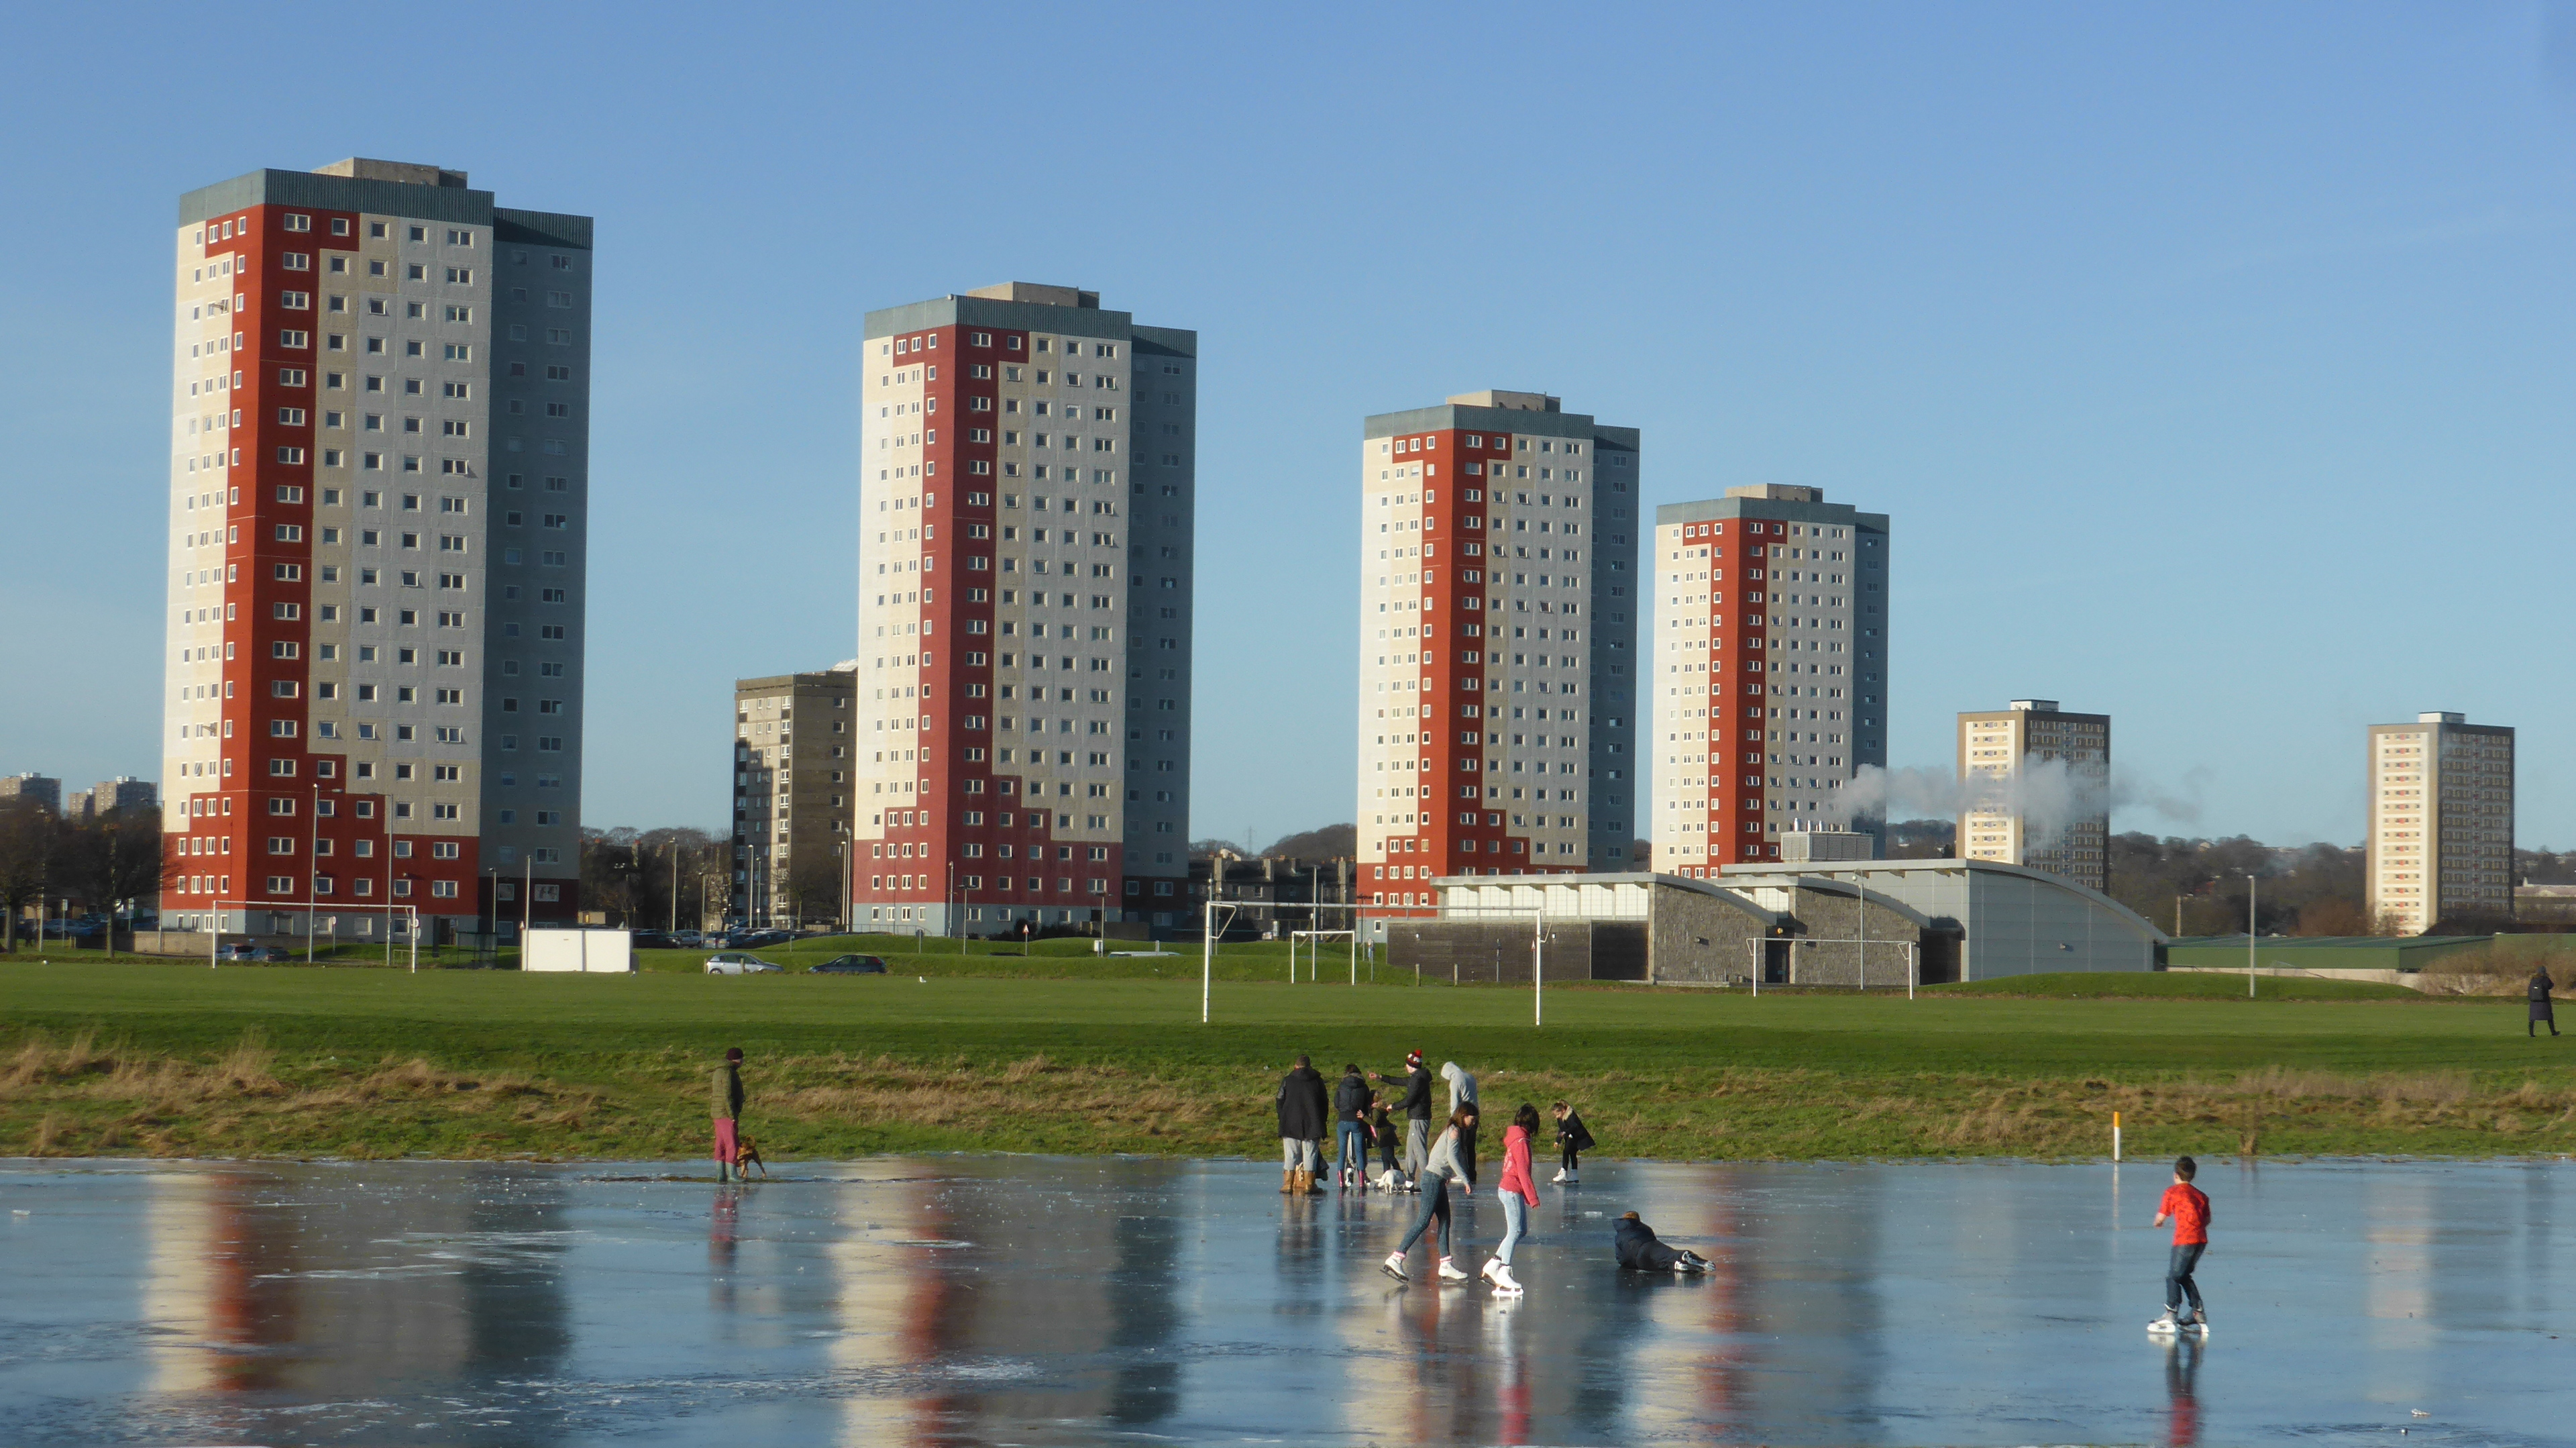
{"points": [[746, 1155]]}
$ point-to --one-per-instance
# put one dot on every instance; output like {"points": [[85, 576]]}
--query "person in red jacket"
{"points": [[2189, 1209], [1519, 1194]]}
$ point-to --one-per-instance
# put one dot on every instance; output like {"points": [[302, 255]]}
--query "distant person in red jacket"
{"points": [[2189, 1209]]}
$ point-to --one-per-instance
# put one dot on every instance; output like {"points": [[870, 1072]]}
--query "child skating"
{"points": [[1519, 1194], [1571, 1142], [2189, 1209], [1443, 1168]]}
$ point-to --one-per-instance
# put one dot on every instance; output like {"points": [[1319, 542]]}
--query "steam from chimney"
{"points": [[2046, 793]]}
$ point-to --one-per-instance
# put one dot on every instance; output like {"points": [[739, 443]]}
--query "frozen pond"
{"points": [[963, 1300]]}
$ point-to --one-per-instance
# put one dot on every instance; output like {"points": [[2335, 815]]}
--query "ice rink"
{"points": [[964, 1300]]}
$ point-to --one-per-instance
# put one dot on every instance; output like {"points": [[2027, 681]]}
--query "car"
{"points": [[689, 937], [652, 940], [754, 939], [735, 962], [241, 951], [271, 955], [849, 965]]}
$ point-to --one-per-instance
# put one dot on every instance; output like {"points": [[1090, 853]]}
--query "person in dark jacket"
{"points": [[725, 1101], [2541, 986], [1389, 1137], [1571, 1142], [1350, 1127], [1302, 1113], [1640, 1250], [1416, 1106]]}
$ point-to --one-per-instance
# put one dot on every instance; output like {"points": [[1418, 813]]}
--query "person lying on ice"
{"points": [[1638, 1248]]}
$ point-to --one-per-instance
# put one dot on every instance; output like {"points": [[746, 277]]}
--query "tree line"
{"points": [[110, 861]]}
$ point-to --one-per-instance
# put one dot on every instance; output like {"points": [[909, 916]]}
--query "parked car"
{"points": [[272, 955], [735, 962], [850, 965], [755, 939], [688, 937], [241, 951], [652, 940]]}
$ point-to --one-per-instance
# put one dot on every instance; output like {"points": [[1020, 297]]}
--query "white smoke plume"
{"points": [[2044, 792]]}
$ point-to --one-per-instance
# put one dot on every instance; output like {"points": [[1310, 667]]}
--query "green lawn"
{"points": [[162, 1058]]}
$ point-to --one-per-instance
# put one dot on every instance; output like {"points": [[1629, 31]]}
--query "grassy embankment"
{"points": [[163, 1059]]}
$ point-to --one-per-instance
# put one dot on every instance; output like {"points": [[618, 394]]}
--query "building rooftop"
{"points": [[408, 173], [1778, 492], [1508, 401], [1039, 293]]}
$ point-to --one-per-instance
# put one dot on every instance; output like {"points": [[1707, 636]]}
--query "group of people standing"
{"points": [[1430, 1164]]}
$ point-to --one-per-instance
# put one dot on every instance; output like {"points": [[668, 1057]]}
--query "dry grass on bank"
{"points": [[82, 1097]]}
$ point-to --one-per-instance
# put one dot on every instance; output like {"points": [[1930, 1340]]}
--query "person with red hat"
{"points": [[1416, 1106]]}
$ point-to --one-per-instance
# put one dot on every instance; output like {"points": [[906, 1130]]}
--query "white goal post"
{"points": [[1211, 926], [310, 909]]}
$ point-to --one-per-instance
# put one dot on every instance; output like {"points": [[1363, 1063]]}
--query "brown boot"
{"points": [[1299, 1181], [1314, 1186], [1287, 1180]]}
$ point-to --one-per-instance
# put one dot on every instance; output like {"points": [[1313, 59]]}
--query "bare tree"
{"points": [[30, 837]]}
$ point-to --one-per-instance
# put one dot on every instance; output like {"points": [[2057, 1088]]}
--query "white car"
{"points": [[734, 962]]}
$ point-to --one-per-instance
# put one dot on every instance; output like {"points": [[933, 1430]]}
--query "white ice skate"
{"points": [[2165, 1326], [1505, 1285], [1393, 1266], [1449, 1272]]}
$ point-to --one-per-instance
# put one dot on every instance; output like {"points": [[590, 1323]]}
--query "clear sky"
{"points": [[2212, 361]]}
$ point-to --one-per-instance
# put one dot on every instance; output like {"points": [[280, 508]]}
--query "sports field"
{"points": [[1079, 1055]]}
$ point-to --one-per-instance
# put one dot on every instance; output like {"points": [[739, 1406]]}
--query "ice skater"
{"points": [[1351, 1097], [726, 1103], [1519, 1194], [1302, 1110], [1438, 1172], [1571, 1142], [1639, 1249], [1462, 1092], [2541, 1013], [1389, 1139], [2189, 1209], [1416, 1106]]}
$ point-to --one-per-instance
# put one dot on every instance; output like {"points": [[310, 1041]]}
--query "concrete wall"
{"points": [[1702, 939], [1498, 951]]}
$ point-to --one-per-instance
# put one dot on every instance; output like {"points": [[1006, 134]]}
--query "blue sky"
{"points": [[2213, 361]]}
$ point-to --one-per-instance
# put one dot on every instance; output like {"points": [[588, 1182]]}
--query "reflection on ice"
{"points": [[968, 1300]]}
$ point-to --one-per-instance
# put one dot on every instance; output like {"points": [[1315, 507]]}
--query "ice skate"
{"points": [[2164, 1325], [1393, 1266], [1505, 1285], [1449, 1272]]}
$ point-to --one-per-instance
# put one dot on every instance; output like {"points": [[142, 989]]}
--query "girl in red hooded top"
{"points": [[1519, 1194]]}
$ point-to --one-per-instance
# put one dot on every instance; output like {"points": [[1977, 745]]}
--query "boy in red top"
{"points": [[2189, 1208]]}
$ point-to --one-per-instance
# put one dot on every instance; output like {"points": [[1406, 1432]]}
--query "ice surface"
{"points": [[1056, 1301]]}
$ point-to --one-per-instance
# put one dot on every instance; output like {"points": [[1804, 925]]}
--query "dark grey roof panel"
{"points": [[1002, 317], [541, 228], [337, 193]]}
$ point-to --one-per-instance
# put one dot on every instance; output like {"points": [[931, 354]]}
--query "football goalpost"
{"points": [[1213, 925], [310, 909]]}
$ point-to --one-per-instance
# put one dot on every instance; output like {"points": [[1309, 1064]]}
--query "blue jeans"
{"points": [[2186, 1256], [1515, 1221], [1435, 1203], [1350, 1142]]}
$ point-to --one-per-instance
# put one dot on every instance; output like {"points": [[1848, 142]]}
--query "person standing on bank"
{"points": [[1350, 1128], [2541, 1013], [1302, 1112], [1462, 1092], [726, 1102], [1437, 1173], [1519, 1194], [1416, 1106]]}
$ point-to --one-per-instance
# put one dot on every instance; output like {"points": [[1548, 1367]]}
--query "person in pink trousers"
{"points": [[1519, 1194]]}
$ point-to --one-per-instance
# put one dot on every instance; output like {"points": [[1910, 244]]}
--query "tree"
{"points": [[1328, 842], [29, 837], [814, 885], [117, 857]]}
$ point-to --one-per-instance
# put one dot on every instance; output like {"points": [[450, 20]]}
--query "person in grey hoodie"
{"points": [[1443, 1168], [1462, 1092]]}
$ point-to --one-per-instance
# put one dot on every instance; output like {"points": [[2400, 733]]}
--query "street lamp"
{"points": [[2249, 934]]}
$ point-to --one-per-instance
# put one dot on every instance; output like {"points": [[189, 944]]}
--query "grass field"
{"points": [[1065, 1053]]}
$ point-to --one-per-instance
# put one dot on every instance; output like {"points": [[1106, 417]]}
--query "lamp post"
{"points": [[2249, 934]]}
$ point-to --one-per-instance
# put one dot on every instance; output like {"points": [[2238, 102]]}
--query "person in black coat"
{"points": [[1351, 1100], [1416, 1106], [2541, 986], [1640, 1250], [1303, 1110]]}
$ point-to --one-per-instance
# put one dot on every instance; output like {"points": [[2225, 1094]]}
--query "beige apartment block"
{"points": [[2441, 821], [2056, 820], [791, 796]]}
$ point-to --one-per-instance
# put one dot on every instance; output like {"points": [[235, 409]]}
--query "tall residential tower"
{"points": [[1769, 671], [1498, 623], [379, 495], [1022, 744], [2041, 780], [2441, 821]]}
